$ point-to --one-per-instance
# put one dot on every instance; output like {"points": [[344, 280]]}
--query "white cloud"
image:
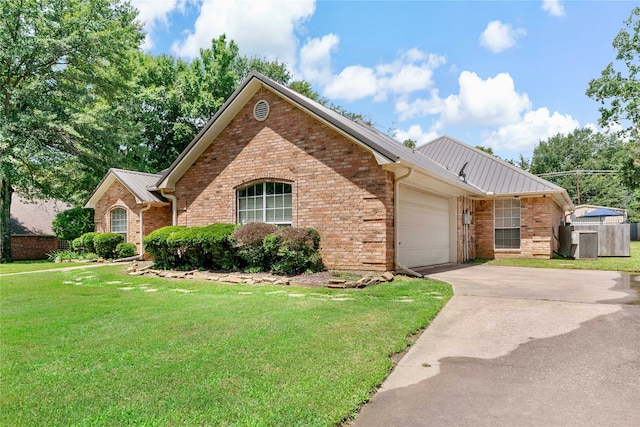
{"points": [[315, 58], [415, 133], [153, 13], [263, 28], [493, 107], [525, 134], [410, 72], [498, 36], [355, 82], [489, 102], [553, 7]]}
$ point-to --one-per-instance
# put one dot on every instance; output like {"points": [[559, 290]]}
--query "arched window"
{"points": [[119, 222], [268, 202]]}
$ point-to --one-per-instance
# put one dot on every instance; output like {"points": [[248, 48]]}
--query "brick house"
{"points": [[270, 154], [32, 237]]}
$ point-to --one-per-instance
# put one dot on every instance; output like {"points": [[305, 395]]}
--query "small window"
{"points": [[268, 202], [507, 224], [119, 222]]}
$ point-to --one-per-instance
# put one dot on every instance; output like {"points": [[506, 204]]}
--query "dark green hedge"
{"points": [[156, 244], [84, 243], [125, 250], [106, 244], [252, 247], [207, 247]]}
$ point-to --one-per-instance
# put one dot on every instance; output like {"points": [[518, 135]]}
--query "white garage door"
{"points": [[423, 231]]}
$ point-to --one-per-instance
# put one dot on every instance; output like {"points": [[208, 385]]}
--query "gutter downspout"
{"points": [[174, 207], [396, 184], [146, 208]]}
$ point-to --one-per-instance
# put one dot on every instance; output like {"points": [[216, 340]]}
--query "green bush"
{"points": [[249, 240], [297, 250], [106, 243], [84, 243], [156, 244], [125, 250], [254, 247], [207, 247], [73, 223]]}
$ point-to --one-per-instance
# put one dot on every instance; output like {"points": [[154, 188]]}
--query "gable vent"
{"points": [[261, 110]]}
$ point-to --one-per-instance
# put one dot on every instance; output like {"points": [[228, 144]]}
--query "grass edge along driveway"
{"points": [[630, 264], [97, 347]]}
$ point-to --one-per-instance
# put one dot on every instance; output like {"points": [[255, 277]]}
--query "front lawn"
{"points": [[97, 347], [629, 264]]}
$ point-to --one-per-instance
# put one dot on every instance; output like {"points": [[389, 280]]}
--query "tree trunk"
{"points": [[5, 218]]}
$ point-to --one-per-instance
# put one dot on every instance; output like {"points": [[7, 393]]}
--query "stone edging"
{"points": [[252, 279]]}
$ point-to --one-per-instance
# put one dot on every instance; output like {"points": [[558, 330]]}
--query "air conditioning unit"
{"points": [[587, 244]]}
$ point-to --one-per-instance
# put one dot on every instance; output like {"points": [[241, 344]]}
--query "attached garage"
{"points": [[424, 224]]}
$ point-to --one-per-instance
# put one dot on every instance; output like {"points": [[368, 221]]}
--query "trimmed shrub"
{"points": [[106, 244], [250, 249], [156, 244], [125, 250], [296, 250], [84, 243], [203, 247]]}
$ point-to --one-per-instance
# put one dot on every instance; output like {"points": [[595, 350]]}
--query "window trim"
{"points": [[287, 202], [126, 221], [504, 227]]}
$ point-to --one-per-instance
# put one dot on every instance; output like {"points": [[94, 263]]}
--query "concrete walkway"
{"points": [[76, 267], [520, 346]]}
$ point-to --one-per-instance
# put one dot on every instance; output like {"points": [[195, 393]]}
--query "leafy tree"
{"points": [[174, 98], [619, 94], [303, 87], [62, 64], [587, 165], [487, 150], [73, 223], [409, 143]]}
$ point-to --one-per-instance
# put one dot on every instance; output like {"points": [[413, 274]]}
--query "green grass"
{"points": [[629, 264], [79, 350], [23, 266]]}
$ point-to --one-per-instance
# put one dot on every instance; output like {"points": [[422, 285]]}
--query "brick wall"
{"points": [[337, 186], [539, 217], [483, 222], [32, 247], [117, 196]]}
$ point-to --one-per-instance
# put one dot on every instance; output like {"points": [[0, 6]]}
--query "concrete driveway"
{"points": [[521, 347]]}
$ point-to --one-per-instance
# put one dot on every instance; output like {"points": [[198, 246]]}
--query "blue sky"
{"points": [[503, 74]]}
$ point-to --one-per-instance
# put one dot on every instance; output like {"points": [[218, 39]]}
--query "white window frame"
{"points": [[507, 223], [119, 225], [268, 201]]}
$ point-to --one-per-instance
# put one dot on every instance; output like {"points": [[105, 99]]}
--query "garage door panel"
{"points": [[423, 231]]}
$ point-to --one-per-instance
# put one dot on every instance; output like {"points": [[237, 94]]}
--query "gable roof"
{"points": [[34, 217], [385, 149], [490, 173], [140, 184]]}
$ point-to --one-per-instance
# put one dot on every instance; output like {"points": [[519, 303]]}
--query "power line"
{"points": [[580, 171]]}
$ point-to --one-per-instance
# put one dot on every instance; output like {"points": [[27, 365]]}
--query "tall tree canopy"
{"points": [[619, 94], [174, 98], [62, 65], [587, 164]]}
